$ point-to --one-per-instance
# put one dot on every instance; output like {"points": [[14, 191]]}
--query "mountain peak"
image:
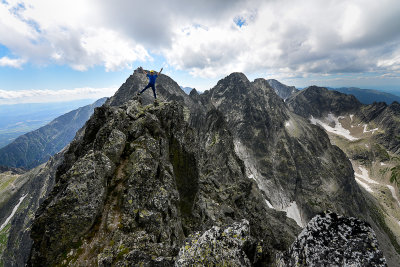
{"points": [[318, 101], [236, 78], [167, 90], [395, 107]]}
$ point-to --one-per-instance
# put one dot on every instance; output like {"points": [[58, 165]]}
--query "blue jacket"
{"points": [[152, 78]]}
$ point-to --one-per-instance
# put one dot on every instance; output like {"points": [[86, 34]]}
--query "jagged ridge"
{"points": [[141, 179]]}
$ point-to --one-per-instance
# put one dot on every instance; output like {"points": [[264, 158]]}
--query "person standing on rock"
{"points": [[152, 81]]}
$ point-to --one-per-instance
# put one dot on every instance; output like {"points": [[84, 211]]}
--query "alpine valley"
{"points": [[235, 176]]}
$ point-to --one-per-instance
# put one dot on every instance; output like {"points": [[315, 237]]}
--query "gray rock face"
{"points": [[281, 89], [319, 101], [217, 246], [387, 119], [293, 162], [139, 182], [36, 147], [135, 201], [333, 240], [378, 116]]}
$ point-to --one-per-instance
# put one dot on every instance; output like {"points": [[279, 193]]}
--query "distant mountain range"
{"points": [[187, 89], [368, 96], [36, 147], [365, 96], [18, 119]]}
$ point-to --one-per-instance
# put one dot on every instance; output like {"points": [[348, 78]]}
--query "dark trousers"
{"points": [[153, 86]]}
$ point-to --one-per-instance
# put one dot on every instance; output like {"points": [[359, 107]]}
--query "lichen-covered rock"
{"points": [[333, 240], [217, 246], [139, 180]]}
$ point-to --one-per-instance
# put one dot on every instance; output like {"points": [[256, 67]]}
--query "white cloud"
{"points": [[65, 32], [43, 96], [202, 37], [10, 62], [285, 37]]}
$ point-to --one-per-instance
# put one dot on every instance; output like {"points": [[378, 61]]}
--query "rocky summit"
{"points": [[227, 177]]}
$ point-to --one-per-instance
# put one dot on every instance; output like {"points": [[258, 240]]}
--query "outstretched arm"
{"points": [[160, 71]]}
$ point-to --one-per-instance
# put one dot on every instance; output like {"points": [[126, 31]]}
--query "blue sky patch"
{"points": [[4, 51], [240, 21]]}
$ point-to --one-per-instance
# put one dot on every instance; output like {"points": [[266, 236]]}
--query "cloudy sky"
{"points": [[71, 49]]}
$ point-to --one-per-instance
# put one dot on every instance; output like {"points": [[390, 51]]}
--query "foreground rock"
{"points": [[333, 240], [217, 246]]}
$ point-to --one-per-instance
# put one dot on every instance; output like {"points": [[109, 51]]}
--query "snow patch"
{"points": [[287, 124], [383, 164], [393, 190], [366, 186], [365, 176], [13, 212], [292, 211], [351, 117], [338, 129], [369, 131], [269, 204]]}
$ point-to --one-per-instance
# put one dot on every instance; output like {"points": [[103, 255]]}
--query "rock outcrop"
{"points": [[138, 182], [217, 246], [292, 161], [333, 240], [156, 185]]}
